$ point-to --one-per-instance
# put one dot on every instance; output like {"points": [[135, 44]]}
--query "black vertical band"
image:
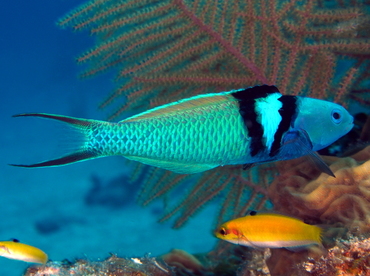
{"points": [[288, 114]]}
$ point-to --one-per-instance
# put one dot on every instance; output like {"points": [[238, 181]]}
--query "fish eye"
{"points": [[253, 213], [222, 231], [336, 116]]}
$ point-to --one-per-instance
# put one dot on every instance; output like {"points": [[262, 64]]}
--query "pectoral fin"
{"points": [[177, 167], [298, 142], [320, 163]]}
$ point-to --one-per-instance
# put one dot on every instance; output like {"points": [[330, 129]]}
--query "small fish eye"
{"points": [[222, 232], [336, 116]]}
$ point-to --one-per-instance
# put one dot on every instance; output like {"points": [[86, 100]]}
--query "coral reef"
{"points": [[184, 261], [113, 266], [348, 257], [302, 191], [224, 260], [255, 264]]}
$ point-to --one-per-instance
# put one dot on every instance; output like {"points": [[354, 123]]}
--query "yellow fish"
{"points": [[19, 251], [270, 230]]}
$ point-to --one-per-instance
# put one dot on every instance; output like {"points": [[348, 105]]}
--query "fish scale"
{"points": [[174, 137], [200, 142]]}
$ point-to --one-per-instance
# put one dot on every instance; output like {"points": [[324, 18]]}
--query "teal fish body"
{"points": [[187, 140], [245, 126]]}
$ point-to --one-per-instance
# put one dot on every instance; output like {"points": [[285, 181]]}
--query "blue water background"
{"points": [[39, 74]]}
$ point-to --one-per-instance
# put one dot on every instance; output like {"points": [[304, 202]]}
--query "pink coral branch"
{"points": [[194, 79], [224, 43]]}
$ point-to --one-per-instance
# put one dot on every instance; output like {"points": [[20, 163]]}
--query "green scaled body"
{"points": [[187, 137]]}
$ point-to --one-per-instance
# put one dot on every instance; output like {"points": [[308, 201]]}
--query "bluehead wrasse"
{"points": [[245, 126], [270, 230], [19, 251]]}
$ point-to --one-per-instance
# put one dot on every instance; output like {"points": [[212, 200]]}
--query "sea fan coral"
{"points": [[301, 190], [171, 49]]}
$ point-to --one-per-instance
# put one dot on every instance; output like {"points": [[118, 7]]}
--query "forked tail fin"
{"points": [[84, 152]]}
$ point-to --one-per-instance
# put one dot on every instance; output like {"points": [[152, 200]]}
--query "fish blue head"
{"points": [[323, 121]]}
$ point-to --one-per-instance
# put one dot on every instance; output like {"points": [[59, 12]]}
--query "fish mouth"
{"points": [[351, 124], [347, 126]]}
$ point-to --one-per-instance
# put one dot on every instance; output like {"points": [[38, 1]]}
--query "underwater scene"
{"points": [[185, 137]]}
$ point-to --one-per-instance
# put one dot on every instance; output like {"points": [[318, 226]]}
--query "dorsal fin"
{"points": [[244, 94], [252, 93], [183, 105]]}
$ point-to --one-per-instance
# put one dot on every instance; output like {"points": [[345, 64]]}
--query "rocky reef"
{"points": [[112, 266], [347, 257]]}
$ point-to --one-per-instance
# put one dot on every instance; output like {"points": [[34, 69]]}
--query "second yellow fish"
{"points": [[270, 230], [23, 252]]}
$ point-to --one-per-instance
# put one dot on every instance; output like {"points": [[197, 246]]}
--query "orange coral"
{"points": [[301, 190]]}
